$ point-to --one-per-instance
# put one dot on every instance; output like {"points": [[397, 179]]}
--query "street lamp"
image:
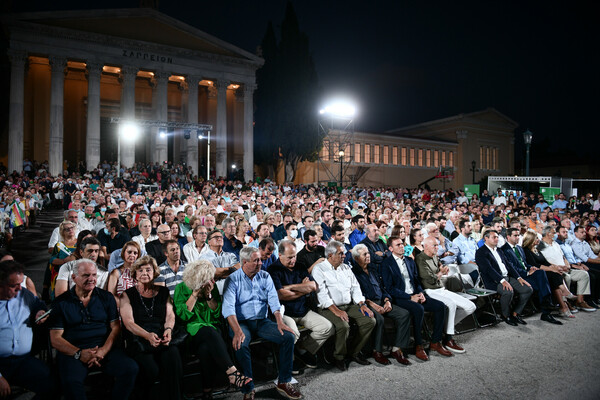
{"points": [[527, 137], [473, 169], [129, 131]]}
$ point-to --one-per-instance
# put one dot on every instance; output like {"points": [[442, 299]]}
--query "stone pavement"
{"points": [[537, 361]]}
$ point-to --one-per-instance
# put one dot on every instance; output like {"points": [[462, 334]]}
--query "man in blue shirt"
{"points": [[17, 307], [466, 246], [358, 234], [248, 294]]}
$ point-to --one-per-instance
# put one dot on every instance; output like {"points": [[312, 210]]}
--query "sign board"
{"points": [[470, 190], [548, 193]]}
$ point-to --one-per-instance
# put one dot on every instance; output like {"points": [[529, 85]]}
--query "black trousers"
{"points": [[28, 372], [163, 365], [417, 311], [210, 347]]}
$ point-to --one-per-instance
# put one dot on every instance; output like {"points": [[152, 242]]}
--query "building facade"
{"points": [[71, 72], [413, 155]]}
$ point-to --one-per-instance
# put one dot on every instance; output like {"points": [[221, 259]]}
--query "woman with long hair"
{"points": [[122, 278]]}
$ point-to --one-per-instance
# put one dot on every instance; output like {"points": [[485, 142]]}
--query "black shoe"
{"points": [[551, 319], [510, 320], [593, 303], [341, 365], [297, 367], [360, 360], [310, 360], [327, 357], [519, 319]]}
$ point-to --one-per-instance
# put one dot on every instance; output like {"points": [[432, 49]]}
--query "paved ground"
{"points": [[537, 361]]}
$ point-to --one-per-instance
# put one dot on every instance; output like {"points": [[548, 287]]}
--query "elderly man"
{"points": [[376, 246], [341, 300], [446, 251], [499, 275], [155, 247], [195, 249], [379, 301], [230, 243], [399, 274], [248, 294], [266, 248], [88, 248], [18, 308], [432, 273], [225, 263], [84, 326], [294, 287]]}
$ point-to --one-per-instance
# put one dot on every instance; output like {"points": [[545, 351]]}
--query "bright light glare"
{"points": [[163, 135], [340, 108], [130, 131], [233, 166]]}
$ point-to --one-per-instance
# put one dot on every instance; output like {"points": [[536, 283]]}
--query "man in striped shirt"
{"points": [[171, 271]]}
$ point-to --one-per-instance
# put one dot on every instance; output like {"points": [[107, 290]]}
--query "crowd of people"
{"points": [[157, 266]]}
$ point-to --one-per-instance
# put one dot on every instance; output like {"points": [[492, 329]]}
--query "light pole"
{"points": [[129, 131], [473, 169], [207, 152], [527, 137], [341, 154]]}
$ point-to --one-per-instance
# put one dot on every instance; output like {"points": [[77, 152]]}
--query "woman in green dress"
{"points": [[198, 303]]}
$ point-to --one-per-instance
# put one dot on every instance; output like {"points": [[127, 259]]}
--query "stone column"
{"points": [[16, 107], [221, 136], [92, 139], [161, 145], [57, 87], [248, 132], [128, 75], [192, 143]]}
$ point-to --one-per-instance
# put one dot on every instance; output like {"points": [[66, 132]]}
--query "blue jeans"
{"points": [[265, 329]]}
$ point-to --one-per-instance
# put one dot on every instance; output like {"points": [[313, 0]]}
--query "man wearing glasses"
{"points": [[341, 300], [225, 263], [198, 247], [155, 247]]}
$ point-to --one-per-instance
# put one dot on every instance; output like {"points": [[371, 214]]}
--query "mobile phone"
{"points": [[44, 315]]}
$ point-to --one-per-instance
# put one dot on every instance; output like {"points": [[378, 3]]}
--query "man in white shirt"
{"points": [[341, 300], [197, 247]]}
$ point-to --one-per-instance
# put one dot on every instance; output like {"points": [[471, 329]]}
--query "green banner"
{"points": [[548, 193], [470, 190]]}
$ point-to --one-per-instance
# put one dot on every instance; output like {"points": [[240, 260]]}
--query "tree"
{"points": [[286, 99]]}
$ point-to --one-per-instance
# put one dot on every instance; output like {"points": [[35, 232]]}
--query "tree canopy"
{"points": [[286, 99]]}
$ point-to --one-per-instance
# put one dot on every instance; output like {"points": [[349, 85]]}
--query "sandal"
{"points": [[239, 379]]}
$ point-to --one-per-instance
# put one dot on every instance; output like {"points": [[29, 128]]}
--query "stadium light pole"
{"points": [[129, 131], [527, 137]]}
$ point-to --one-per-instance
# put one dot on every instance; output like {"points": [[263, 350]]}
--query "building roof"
{"points": [[139, 24]]}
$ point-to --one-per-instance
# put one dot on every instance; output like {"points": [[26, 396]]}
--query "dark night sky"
{"points": [[410, 62]]}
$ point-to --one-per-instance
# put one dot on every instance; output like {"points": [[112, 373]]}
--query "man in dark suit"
{"points": [[536, 277], [400, 278], [498, 274], [154, 248]]}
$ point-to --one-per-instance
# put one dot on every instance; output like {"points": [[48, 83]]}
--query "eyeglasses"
{"points": [[163, 232], [218, 237]]}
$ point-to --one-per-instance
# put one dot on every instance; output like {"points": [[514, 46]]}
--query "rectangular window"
{"points": [[386, 155], [488, 159], [367, 153], [420, 157], [481, 158], [451, 159], [428, 158], [404, 156], [443, 159], [325, 150], [496, 158], [395, 155], [357, 152], [347, 153], [335, 151], [376, 150], [436, 158], [412, 157]]}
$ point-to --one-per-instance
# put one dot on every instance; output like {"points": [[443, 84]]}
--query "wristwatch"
{"points": [[361, 304], [77, 354]]}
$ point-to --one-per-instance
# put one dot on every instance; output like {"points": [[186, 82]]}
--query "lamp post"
{"points": [[527, 137], [129, 131], [341, 154], [473, 169]]}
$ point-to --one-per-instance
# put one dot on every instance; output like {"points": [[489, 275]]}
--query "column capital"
{"points": [[17, 56], [93, 68], [211, 92], [221, 85], [57, 64], [193, 80], [239, 95], [162, 75], [249, 89], [129, 70]]}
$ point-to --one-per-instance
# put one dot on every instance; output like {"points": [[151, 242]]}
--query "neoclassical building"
{"points": [[71, 72], [413, 155]]}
